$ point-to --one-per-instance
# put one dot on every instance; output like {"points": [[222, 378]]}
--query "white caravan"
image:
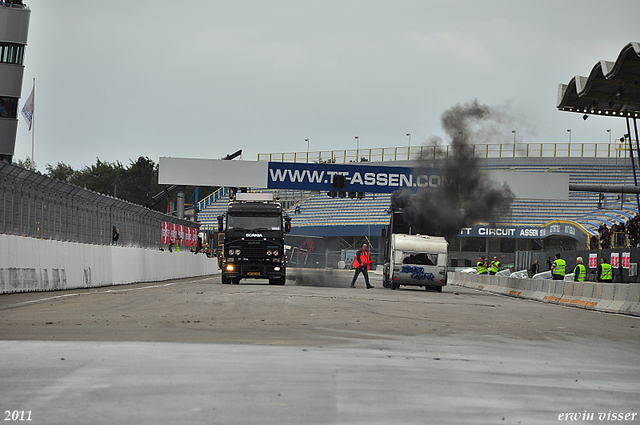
{"points": [[417, 260]]}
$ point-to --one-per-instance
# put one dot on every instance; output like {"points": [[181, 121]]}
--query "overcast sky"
{"points": [[204, 78]]}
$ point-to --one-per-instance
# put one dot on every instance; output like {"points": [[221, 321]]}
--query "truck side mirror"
{"points": [[220, 223], [287, 224]]}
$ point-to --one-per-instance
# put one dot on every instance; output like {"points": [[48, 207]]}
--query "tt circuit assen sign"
{"points": [[526, 232]]}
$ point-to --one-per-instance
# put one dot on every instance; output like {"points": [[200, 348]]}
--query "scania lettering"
{"points": [[253, 246]]}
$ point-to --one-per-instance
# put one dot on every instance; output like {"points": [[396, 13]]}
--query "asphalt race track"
{"points": [[194, 351]]}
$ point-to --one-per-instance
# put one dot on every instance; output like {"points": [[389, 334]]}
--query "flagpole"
{"points": [[33, 123]]}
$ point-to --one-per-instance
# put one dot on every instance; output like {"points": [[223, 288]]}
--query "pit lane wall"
{"points": [[621, 298], [30, 264]]}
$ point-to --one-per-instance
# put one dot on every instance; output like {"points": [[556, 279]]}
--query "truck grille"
{"points": [[254, 252]]}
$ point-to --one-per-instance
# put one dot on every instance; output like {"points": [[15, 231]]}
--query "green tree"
{"points": [[140, 181], [137, 183], [61, 171], [103, 177], [27, 164]]}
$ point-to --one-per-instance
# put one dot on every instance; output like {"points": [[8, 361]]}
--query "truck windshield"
{"points": [[420, 258], [245, 222]]}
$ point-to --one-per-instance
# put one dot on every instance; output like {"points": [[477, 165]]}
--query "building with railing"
{"points": [[14, 28]]}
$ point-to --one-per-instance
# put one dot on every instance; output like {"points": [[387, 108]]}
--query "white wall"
{"points": [[29, 264]]}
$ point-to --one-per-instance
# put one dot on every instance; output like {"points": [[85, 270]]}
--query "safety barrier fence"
{"points": [[490, 150], [34, 205], [621, 298]]}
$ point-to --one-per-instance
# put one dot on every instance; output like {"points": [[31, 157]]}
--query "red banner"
{"points": [[626, 260], [171, 232], [615, 260], [165, 233]]}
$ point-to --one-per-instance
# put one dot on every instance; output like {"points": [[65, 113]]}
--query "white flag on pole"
{"points": [[27, 109]]}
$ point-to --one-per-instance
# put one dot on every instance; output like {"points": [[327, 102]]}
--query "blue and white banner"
{"points": [[357, 178]]}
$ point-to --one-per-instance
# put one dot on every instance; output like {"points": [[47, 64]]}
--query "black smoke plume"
{"points": [[470, 196]]}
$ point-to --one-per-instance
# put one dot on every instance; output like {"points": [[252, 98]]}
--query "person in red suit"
{"points": [[361, 264]]}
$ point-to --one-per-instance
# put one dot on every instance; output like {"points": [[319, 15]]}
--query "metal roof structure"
{"points": [[611, 89]]}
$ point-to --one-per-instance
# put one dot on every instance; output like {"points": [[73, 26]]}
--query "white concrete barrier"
{"points": [[608, 297], [522, 274], [29, 264], [471, 270]]}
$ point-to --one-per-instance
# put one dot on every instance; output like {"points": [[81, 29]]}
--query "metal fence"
{"points": [[490, 150], [34, 205]]}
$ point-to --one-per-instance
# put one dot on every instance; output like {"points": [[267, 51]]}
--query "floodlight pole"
{"points": [[33, 127], [633, 162]]}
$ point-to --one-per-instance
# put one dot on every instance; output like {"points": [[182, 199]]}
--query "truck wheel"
{"points": [[386, 283], [277, 281], [438, 288], [394, 285], [226, 280], [236, 281]]}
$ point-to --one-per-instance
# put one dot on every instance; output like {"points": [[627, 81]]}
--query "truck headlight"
{"points": [[268, 253], [237, 252], [276, 269], [231, 252], [275, 252], [229, 267]]}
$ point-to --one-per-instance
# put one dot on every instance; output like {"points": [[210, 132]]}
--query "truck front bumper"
{"points": [[253, 270]]}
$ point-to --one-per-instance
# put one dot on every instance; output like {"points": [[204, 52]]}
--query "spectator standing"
{"points": [[605, 271], [535, 268], [605, 237], [115, 235], [580, 271], [494, 267], [481, 266], [558, 268]]}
